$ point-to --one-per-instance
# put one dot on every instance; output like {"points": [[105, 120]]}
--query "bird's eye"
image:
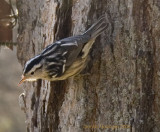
{"points": [[32, 73]]}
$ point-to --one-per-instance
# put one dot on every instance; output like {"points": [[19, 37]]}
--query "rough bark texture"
{"points": [[123, 85]]}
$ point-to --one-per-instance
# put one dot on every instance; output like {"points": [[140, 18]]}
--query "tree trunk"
{"points": [[119, 89]]}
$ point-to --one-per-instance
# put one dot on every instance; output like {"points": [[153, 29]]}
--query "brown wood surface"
{"points": [[121, 83]]}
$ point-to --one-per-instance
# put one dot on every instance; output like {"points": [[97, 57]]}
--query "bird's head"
{"points": [[33, 69]]}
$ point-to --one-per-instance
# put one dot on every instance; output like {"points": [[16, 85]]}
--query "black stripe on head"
{"points": [[31, 63]]}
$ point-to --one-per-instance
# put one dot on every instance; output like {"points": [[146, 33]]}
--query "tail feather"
{"points": [[97, 28]]}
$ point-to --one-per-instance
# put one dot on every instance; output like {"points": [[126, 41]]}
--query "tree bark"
{"points": [[121, 89]]}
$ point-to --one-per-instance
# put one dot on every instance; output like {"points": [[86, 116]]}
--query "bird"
{"points": [[64, 58]]}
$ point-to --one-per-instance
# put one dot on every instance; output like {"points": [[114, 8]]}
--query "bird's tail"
{"points": [[97, 28]]}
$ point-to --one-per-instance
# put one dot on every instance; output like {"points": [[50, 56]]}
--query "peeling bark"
{"points": [[122, 87]]}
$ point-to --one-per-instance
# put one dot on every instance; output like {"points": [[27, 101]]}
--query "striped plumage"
{"points": [[64, 58]]}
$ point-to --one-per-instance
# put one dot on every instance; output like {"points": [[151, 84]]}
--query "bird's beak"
{"points": [[22, 80]]}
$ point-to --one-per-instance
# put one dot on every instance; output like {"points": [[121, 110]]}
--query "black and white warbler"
{"points": [[64, 58]]}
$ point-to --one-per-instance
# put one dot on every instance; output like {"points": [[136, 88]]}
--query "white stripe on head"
{"points": [[35, 67], [29, 61]]}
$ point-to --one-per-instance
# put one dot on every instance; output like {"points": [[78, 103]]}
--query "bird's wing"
{"points": [[60, 55]]}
